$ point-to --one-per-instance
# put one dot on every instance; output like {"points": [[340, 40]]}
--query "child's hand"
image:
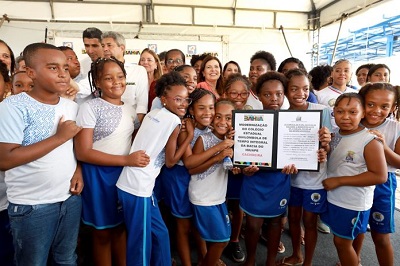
{"points": [[250, 170], [67, 129], [236, 170], [230, 134], [138, 159], [379, 136], [224, 153], [227, 143], [76, 184], [324, 136], [322, 155], [189, 125], [290, 169], [331, 183]]}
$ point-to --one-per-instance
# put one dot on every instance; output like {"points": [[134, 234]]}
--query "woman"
{"points": [[150, 61], [210, 76]]}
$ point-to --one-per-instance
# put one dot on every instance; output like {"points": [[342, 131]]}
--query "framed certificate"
{"points": [[272, 139]]}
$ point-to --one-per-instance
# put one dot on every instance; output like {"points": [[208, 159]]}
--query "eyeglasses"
{"points": [[179, 100], [172, 61], [242, 95]]}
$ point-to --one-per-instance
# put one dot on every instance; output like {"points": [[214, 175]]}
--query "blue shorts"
{"points": [[234, 185], [100, 205], [381, 218], [6, 243], [312, 200], [265, 194], [175, 183], [345, 223], [212, 222], [158, 186], [147, 235]]}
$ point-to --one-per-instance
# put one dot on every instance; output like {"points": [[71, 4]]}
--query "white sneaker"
{"points": [[323, 228]]}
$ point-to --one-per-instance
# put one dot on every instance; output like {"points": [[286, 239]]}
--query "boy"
{"points": [[42, 176]]}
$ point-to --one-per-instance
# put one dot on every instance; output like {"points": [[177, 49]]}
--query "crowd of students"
{"points": [[103, 142]]}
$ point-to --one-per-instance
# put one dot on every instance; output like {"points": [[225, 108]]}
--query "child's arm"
{"points": [[85, 153], [172, 154], [392, 156], [376, 170], [13, 155], [76, 181], [211, 160]]}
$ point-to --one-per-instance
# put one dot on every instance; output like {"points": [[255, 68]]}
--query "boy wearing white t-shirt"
{"points": [[42, 176]]}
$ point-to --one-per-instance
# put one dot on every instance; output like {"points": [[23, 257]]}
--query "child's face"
{"points": [[238, 94], [289, 66], [271, 95], [298, 91], [197, 66], [212, 71], [21, 83], [222, 120], [378, 105], [190, 76], [380, 75], [341, 74], [348, 114], [176, 100], [49, 71], [230, 69], [257, 68], [203, 111], [112, 82], [74, 66], [5, 55], [362, 76]]}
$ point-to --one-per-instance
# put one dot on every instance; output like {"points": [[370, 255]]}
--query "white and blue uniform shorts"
{"points": [[312, 200]]}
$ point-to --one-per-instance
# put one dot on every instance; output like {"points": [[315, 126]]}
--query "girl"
{"points": [[341, 76], [236, 90], [21, 82], [379, 73], [210, 76], [148, 238], [150, 61], [176, 179], [230, 68], [190, 76], [361, 73], [307, 195], [356, 163], [210, 213], [103, 148], [381, 100], [269, 189]]}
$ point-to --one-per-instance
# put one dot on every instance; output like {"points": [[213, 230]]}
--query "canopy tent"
{"points": [[235, 29]]}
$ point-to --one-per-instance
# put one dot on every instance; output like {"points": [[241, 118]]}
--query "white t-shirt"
{"points": [[25, 121], [347, 159], [209, 187], [113, 125], [254, 102], [137, 88], [153, 134], [391, 130], [85, 65], [328, 96], [313, 180]]}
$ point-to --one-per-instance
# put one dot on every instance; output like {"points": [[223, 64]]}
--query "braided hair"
{"points": [[96, 70]]}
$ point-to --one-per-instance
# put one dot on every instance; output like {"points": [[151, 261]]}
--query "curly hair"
{"points": [[266, 56], [237, 77], [166, 81], [319, 75], [270, 75]]}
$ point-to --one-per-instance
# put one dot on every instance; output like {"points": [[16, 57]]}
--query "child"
{"points": [[176, 179], [381, 100], [208, 184], [190, 76], [341, 76], [356, 163], [307, 195], [378, 73], [6, 250], [236, 90], [269, 189], [21, 82], [103, 147], [147, 234], [42, 177]]}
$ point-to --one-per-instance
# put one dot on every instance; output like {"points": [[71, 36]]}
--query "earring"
{"points": [[165, 104]]}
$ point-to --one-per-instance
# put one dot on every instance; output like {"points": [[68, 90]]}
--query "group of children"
{"points": [[176, 154]]}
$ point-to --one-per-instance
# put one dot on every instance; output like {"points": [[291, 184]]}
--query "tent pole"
{"points": [[284, 37], [337, 37]]}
